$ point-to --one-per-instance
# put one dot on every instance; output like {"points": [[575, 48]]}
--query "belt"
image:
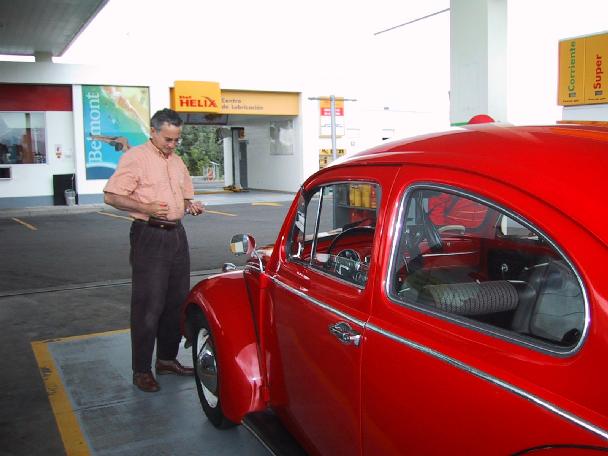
{"points": [[160, 224]]}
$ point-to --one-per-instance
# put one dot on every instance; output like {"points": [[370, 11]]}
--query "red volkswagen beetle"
{"points": [[445, 294]]}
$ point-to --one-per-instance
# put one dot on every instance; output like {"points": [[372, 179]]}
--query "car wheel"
{"points": [[207, 370]]}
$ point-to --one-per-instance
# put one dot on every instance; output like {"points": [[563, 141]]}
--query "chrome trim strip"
{"points": [[491, 379], [318, 303], [251, 266], [310, 267], [451, 361], [313, 248], [471, 324]]}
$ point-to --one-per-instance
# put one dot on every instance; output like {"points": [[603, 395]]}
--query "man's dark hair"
{"points": [[164, 116]]}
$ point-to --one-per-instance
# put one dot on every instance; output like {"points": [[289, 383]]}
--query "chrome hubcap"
{"points": [[206, 367]]}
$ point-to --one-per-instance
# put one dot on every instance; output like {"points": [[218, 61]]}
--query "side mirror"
{"points": [[242, 244]]}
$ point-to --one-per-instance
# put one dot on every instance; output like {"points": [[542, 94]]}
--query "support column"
{"points": [[227, 144], [478, 62]]}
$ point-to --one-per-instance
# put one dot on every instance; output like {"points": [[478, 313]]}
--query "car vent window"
{"points": [[460, 257], [333, 230]]}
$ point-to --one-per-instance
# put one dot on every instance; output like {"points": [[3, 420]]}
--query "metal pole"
{"points": [[332, 103], [332, 100]]}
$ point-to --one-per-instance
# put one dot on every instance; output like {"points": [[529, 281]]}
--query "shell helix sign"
{"points": [[583, 70], [196, 96]]}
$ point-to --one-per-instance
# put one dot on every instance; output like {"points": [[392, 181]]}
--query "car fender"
{"points": [[224, 301]]}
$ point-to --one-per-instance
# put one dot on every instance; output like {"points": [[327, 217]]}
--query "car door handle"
{"points": [[345, 334]]}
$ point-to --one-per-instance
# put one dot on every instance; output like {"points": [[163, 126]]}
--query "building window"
{"points": [[22, 138]]}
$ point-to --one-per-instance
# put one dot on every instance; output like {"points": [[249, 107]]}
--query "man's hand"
{"points": [[158, 209], [194, 207]]}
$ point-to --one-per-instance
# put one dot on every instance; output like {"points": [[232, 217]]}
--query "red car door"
{"points": [[486, 380], [319, 311]]}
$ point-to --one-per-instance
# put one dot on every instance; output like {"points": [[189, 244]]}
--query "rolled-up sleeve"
{"points": [[126, 178]]}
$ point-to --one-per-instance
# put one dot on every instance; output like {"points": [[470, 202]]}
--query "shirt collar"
{"points": [[158, 151]]}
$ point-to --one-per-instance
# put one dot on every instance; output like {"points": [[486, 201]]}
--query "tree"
{"points": [[199, 148]]}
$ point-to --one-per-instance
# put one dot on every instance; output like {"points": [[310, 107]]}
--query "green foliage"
{"points": [[199, 148]]}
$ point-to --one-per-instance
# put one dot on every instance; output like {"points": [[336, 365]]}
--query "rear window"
{"points": [[468, 260]]}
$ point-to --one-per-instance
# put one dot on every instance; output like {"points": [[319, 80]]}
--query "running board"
{"points": [[269, 430]]}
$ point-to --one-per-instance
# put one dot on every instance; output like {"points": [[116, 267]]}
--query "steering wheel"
{"points": [[459, 228], [350, 232], [415, 234]]}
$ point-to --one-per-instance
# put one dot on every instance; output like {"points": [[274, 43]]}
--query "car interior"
{"points": [[462, 257], [456, 256], [337, 222]]}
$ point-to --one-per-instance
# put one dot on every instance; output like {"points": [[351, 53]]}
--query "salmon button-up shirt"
{"points": [[145, 174]]}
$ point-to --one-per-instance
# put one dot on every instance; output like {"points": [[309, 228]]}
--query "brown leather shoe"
{"points": [[146, 382], [172, 367]]}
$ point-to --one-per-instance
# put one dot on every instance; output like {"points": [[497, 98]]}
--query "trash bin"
{"points": [[61, 183], [70, 197]]}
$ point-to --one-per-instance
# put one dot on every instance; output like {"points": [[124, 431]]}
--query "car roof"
{"points": [[563, 165]]}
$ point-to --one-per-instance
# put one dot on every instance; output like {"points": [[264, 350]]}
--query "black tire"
{"points": [[206, 370]]}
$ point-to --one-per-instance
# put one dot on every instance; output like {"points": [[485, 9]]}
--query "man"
{"points": [[153, 184]]}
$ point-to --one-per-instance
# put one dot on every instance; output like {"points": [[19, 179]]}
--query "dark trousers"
{"points": [[160, 262]]}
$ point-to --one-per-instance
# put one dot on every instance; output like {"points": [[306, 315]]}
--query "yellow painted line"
{"points": [[73, 439], [115, 216], [265, 204], [85, 336], [219, 213], [203, 192], [25, 224], [72, 436]]}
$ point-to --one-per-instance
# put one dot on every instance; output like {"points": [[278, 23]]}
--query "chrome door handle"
{"points": [[345, 334]]}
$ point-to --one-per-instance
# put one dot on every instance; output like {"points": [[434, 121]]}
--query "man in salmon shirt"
{"points": [[154, 186]]}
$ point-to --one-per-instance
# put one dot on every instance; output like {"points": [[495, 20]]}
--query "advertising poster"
{"points": [[115, 119]]}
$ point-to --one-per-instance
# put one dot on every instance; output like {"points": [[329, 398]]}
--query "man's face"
{"points": [[167, 138]]}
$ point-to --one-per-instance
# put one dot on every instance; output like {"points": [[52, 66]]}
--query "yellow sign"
{"points": [[196, 96], [326, 156], [260, 103], [582, 70], [571, 72], [207, 97], [596, 69]]}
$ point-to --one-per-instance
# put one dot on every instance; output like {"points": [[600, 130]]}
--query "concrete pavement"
{"points": [[70, 342]]}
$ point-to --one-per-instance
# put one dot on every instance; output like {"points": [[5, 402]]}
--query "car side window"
{"points": [[333, 230], [460, 257]]}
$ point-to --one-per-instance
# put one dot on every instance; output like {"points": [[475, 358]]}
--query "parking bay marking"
{"points": [[219, 213], [25, 224], [261, 203], [109, 214], [74, 441]]}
